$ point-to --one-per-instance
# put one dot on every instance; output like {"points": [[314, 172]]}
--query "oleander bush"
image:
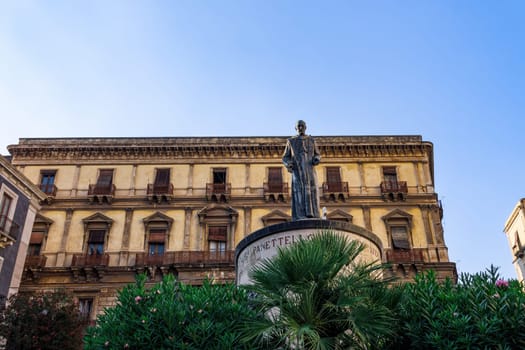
{"points": [[481, 311], [43, 320], [172, 315]]}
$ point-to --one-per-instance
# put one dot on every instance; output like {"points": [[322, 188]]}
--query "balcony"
{"points": [[8, 231], [101, 193], [394, 190], [35, 261], [49, 189], [86, 260], [220, 192], [335, 191], [186, 258], [158, 193], [397, 256], [276, 191]]}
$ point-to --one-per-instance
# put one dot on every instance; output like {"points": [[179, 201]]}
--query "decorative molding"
{"points": [[86, 149]]}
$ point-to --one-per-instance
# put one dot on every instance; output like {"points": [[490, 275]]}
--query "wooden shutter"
{"points": [[36, 238], [275, 179], [105, 177], [157, 236], [400, 237], [217, 233], [275, 175], [333, 176], [96, 236], [333, 179], [162, 178]]}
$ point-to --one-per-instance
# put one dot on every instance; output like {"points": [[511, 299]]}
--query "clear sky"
{"points": [[451, 71]]}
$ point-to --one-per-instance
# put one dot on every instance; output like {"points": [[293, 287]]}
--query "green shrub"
{"points": [[43, 321], [171, 315], [482, 311]]}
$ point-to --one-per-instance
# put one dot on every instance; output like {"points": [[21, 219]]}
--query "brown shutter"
{"points": [[400, 237], [96, 236], [275, 175], [217, 233], [105, 177], [333, 175], [157, 236], [36, 238], [162, 178]]}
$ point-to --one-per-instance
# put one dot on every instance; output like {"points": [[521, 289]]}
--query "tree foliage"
{"points": [[316, 294], [43, 320], [482, 311], [171, 315]]}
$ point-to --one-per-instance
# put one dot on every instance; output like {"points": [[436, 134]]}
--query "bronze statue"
{"points": [[300, 157]]}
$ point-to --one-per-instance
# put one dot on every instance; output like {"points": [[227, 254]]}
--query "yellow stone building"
{"points": [[120, 206]]}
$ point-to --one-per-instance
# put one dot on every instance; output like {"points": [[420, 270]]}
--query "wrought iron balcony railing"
{"points": [[156, 189], [335, 190], [218, 192], [8, 231], [185, 258], [405, 256], [276, 191], [275, 187], [101, 190], [83, 260], [35, 261], [394, 187]]}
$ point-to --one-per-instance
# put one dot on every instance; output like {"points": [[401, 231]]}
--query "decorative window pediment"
{"points": [[339, 215], [397, 214], [42, 221], [275, 217], [158, 220], [98, 220], [218, 214]]}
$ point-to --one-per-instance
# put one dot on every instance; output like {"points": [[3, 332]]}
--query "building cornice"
{"points": [[42, 150], [22, 182]]}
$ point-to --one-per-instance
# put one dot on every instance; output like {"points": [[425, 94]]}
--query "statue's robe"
{"points": [[301, 155]]}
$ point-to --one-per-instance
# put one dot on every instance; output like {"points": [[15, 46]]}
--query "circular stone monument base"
{"points": [[264, 243]]}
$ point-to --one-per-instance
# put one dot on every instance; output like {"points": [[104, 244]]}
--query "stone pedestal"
{"points": [[264, 243]]}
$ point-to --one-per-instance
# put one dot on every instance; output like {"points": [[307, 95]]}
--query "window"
{"points": [[162, 178], [156, 241], [5, 211], [389, 174], [35, 243], [219, 176], [275, 179], [105, 178], [85, 305], [47, 181], [333, 179], [217, 238], [398, 224], [399, 237], [96, 240], [104, 189], [218, 190]]}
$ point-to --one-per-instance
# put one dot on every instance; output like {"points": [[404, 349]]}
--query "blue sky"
{"points": [[451, 71]]}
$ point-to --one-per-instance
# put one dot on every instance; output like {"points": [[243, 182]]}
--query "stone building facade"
{"points": [[515, 232], [116, 207], [19, 202]]}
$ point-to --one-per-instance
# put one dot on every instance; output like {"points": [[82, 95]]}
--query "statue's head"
{"points": [[300, 126]]}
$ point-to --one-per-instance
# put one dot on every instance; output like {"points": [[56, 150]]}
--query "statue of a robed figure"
{"points": [[300, 157]]}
